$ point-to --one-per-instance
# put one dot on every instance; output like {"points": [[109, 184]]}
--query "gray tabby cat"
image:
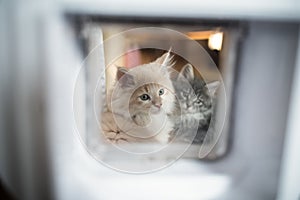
{"points": [[195, 105]]}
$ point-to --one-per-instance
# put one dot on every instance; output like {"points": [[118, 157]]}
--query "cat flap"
{"points": [[124, 78]]}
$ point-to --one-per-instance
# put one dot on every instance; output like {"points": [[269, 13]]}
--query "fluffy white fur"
{"points": [[150, 123]]}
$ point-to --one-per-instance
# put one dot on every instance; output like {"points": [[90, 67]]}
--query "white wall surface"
{"points": [[226, 9]]}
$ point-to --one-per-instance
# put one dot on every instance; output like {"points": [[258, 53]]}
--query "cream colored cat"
{"points": [[140, 103]]}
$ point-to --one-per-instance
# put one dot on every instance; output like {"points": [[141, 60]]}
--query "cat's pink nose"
{"points": [[158, 105]]}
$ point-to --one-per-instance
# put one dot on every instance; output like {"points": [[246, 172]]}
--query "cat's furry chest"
{"points": [[158, 127], [191, 116]]}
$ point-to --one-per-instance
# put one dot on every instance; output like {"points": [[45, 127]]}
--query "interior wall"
{"points": [[261, 102]]}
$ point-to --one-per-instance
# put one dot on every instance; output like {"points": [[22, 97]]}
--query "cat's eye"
{"points": [[161, 92], [145, 97], [199, 102]]}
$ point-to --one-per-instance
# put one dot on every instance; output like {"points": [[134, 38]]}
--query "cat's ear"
{"points": [[124, 78], [212, 87], [187, 72], [165, 60]]}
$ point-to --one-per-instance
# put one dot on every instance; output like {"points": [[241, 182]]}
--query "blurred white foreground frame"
{"points": [[94, 71], [290, 174]]}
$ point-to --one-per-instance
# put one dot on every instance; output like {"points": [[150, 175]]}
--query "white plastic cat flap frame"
{"points": [[222, 41]]}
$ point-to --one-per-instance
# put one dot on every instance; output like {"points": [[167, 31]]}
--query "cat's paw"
{"points": [[117, 138], [122, 141]]}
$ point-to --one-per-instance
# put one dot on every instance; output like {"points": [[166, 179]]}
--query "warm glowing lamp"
{"points": [[215, 41]]}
